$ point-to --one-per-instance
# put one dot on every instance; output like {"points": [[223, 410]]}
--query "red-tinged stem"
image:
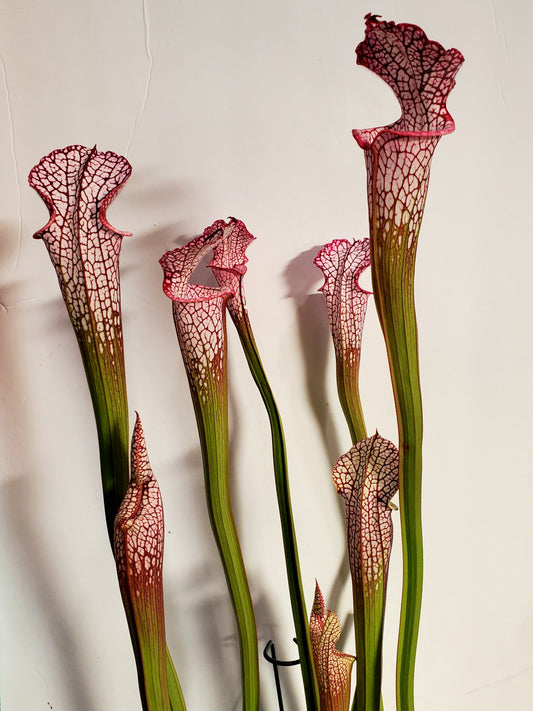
{"points": [[228, 265], [342, 263], [393, 263], [421, 73], [109, 398], [367, 478], [138, 549], [209, 393], [77, 184]]}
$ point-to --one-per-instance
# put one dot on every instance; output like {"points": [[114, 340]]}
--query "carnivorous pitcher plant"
{"points": [[77, 184]]}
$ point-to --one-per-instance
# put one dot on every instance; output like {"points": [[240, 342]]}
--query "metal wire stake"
{"points": [[275, 664]]}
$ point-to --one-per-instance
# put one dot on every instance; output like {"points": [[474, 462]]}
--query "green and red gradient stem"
{"points": [[199, 317], [229, 267], [138, 549], [367, 479], [77, 184], [421, 73], [290, 545], [394, 295], [342, 263]]}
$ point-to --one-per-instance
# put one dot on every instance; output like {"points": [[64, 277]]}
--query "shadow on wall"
{"points": [[301, 276], [19, 519]]}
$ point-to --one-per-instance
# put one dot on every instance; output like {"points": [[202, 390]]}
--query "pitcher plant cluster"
{"points": [[77, 184]]}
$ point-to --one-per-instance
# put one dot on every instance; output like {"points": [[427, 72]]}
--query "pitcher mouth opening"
{"points": [[365, 137]]}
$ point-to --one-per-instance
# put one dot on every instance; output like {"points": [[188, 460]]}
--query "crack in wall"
{"points": [[146, 24], [498, 29], [17, 181], [501, 680]]}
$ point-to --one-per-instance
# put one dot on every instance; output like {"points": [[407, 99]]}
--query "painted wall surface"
{"points": [[246, 109]]}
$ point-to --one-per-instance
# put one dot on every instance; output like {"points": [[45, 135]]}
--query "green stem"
{"points": [[109, 397], [292, 564], [368, 610], [177, 702], [210, 400], [350, 400], [393, 281], [110, 404], [77, 184], [407, 395]]}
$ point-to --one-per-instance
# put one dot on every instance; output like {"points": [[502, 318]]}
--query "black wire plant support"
{"points": [[269, 653]]}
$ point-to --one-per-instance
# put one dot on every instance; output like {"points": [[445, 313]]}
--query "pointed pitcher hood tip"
{"points": [[139, 524], [333, 668], [138, 548]]}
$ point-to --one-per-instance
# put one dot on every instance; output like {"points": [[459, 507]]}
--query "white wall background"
{"points": [[246, 109]]}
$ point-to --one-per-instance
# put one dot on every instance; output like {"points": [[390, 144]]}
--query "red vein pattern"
{"points": [[398, 158], [333, 668], [138, 543], [229, 262], [229, 267], [198, 311], [179, 264], [367, 479], [139, 524], [77, 184], [200, 320], [342, 263], [421, 73]]}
